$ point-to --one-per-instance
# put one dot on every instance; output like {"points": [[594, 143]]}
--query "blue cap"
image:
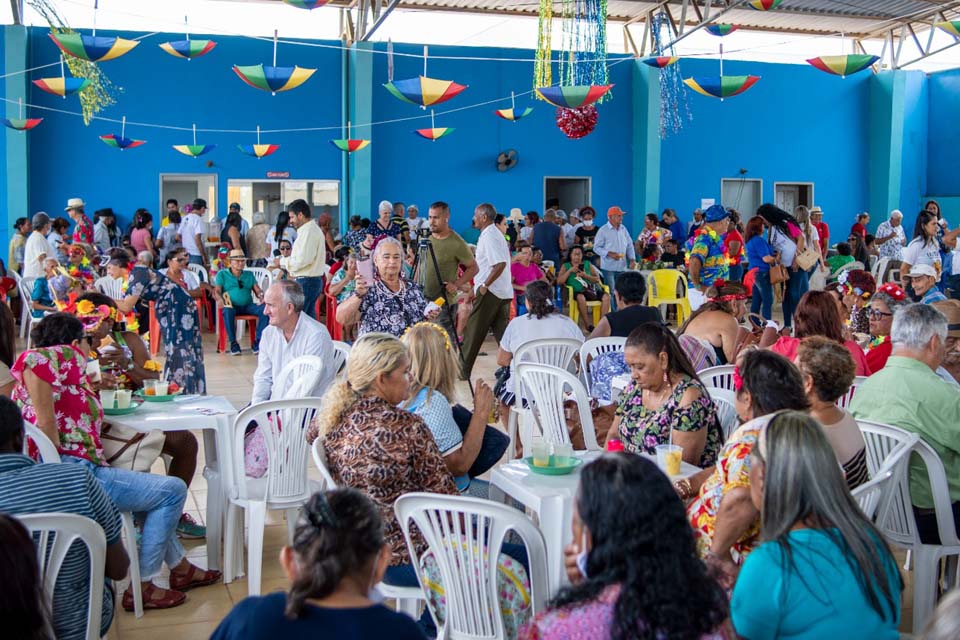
{"points": [[716, 213]]}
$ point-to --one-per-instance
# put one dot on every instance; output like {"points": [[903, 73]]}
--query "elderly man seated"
{"points": [[907, 393], [236, 288], [924, 278]]}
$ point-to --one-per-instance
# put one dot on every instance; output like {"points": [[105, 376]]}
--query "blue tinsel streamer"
{"points": [[583, 56], [674, 108]]}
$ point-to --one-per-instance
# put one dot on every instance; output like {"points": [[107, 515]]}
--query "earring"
{"points": [[666, 378]]}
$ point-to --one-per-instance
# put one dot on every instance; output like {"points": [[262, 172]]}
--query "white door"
{"points": [[743, 195], [788, 197]]}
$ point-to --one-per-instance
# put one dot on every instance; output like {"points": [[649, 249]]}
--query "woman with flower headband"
{"points": [[856, 287], [79, 267], [716, 324], [884, 303]]}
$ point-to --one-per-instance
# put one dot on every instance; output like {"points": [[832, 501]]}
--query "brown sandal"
{"points": [[195, 577], [154, 597]]}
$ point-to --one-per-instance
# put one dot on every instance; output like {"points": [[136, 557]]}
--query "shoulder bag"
{"points": [[126, 448], [809, 256], [778, 272]]}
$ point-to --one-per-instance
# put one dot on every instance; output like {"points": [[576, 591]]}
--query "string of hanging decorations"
{"points": [[674, 106]]}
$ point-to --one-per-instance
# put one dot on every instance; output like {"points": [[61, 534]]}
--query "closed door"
{"points": [[743, 195], [788, 197]]}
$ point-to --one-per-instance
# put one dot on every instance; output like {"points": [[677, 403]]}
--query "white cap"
{"points": [[923, 270]]}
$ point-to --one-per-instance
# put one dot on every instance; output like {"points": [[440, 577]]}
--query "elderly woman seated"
{"points": [[666, 402], [390, 303], [715, 326], [884, 303]]}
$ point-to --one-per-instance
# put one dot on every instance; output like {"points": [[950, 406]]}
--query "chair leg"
{"points": [[925, 566], [130, 541], [292, 516], [230, 545], [257, 512], [512, 432]]}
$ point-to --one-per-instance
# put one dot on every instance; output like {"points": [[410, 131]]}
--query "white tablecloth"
{"points": [[212, 414]]}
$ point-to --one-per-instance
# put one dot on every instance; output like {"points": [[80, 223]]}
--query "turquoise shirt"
{"points": [[239, 289], [818, 598], [906, 393]]}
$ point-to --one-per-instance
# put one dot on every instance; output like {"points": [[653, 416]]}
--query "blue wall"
{"points": [[943, 179]]}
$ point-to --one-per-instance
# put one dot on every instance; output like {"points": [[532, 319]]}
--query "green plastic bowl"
{"points": [[553, 470]]}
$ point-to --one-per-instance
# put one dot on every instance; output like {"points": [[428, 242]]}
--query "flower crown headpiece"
{"points": [[848, 288], [892, 290], [435, 327], [92, 316]]}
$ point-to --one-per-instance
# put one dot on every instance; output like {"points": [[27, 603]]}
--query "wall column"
{"points": [[357, 168], [15, 184], [645, 168], [887, 94]]}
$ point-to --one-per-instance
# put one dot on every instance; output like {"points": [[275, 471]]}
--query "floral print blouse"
{"points": [[642, 429], [76, 404], [386, 311]]}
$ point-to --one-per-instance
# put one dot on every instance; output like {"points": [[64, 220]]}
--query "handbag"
{"points": [[808, 257], [778, 272], [126, 448]]}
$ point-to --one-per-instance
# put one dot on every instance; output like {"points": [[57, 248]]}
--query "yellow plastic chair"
{"points": [[593, 305], [662, 289]]}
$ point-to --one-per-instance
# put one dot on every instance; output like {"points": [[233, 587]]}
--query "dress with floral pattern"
{"points": [[176, 312], [642, 429], [83, 231], [77, 406], [386, 311]]}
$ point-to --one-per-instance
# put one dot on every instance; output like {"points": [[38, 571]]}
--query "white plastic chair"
{"points": [[49, 454], [879, 267], [263, 276], [469, 571], [200, 271], [556, 352], [593, 348], [57, 532], [725, 402], [844, 401], [298, 378], [283, 424], [341, 353], [870, 494], [111, 287], [718, 377], [545, 386], [25, 285]]}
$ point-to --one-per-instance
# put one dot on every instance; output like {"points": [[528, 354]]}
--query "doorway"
{"points": [[567, 192], [790, 195], [186, 187], [743, 194], [270, 197]]}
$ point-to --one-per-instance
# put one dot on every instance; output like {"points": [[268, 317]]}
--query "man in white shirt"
{"points": [[37, 248], [492, 287], [291, 334], [615, 247], [567, 230], [415, 224], [192, 231], [891, 238], [307, 262], [101, 229]]}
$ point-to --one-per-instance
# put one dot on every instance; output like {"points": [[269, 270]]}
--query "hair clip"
{"points": [[737, 379]]}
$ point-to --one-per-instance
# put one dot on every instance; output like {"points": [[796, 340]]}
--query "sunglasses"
{"points": [[181, 260]]}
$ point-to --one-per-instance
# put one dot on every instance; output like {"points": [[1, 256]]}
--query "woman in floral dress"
{"points": [[665, 396]]}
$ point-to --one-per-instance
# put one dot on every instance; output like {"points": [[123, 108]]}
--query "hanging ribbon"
{"points": [[543, 66], [389, 60]]}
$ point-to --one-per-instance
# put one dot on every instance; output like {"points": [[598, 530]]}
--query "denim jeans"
{"points": [[736, 273], [230, 320], [195, 260], [159, 502], [610, 277], [312, 288], [793, 290], [762, 296]]}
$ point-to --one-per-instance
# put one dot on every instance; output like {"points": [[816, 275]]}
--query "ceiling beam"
{"points": [[379, 18], [16, 10]]}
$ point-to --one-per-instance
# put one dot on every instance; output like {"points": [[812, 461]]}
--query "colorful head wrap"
{"points": [[857, 281], [893, 290]]}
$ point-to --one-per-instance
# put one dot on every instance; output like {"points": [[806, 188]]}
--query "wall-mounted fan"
{"points": [[507, 160]]}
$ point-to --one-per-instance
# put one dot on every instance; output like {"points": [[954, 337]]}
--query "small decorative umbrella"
{"points": [[844, 65], [307, 4], [434, 132], [661, 61], [511, 113], [273, 78], [349, 145], [194, 149], [573, 97], [424, 91], [188, 49], [258, 150], [121, 142], [20, 123], [93, 48], [764, 5], [952, 27], [62, 86], [721, 86], [721, 30]]}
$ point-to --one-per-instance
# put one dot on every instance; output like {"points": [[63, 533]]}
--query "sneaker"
{"points": [[234, 349], [256, 349], [189, 529]]}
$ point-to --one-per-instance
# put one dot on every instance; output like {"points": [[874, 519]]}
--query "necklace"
{"points": [[661, 394]]}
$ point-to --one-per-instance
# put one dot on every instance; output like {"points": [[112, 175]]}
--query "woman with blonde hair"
{"points": [[434, 372]]}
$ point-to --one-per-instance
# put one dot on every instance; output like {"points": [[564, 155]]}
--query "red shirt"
{"points": [[877, 357], [733, 236], [83, 232], [824, 232], [787, 347], [859, 229]]}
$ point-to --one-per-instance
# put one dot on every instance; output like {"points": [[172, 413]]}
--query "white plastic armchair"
{"points": [[200, 271], [111, 287], [546, 387], [593, 348], [298, 378], [56, 533], [844, 401], [725, 402], [469, 571], [341, 353], [263, 276], [720, 377], [25, 286], [320, 462], [49, 454]]}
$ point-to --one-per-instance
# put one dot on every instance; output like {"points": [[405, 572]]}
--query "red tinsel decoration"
{"points": [[577, 123]]}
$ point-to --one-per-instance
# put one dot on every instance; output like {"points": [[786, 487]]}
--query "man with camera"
{"points": [[451, 252]]}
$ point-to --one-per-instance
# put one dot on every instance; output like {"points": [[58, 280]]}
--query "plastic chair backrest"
{"points": [[49, 454], [320, 461], [556, 352], [469, 571], [594, 347], [662, 286], [869, 494], [111, 287], [55, 533], [26, 288], [200, 271], [844, 401], [878, 269], [263, 276], [341, 353], [718, 377], [192, 279], [545, 386], [725, 402], [298, 378], [283, 424]]}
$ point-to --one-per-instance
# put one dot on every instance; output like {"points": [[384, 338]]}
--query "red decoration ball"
{"points": [[577, 123]]}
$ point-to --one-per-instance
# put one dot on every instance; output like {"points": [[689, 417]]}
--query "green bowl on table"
{"points": [[554, 469], [114, 411], [152, 398]]}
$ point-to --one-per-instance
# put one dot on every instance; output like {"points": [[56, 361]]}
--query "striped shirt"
{"points": [[29, 487]]}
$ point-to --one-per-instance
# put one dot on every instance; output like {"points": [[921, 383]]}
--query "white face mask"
{"points": [[588, 223]]}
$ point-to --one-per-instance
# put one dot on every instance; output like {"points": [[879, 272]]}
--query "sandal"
{"points": [[154, 597], [195, 577]]}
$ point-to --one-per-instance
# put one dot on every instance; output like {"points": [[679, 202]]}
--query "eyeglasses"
{"points": [[876, 314], [181, 260]]}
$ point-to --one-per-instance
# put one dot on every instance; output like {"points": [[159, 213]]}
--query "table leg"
{"points": [[216, 500], [496, 494], [555, 527]]}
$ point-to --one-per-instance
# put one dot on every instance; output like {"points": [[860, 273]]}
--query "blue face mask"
{"points": [[583, 555]]}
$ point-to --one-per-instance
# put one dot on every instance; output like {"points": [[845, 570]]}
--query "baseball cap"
{"points": [[234, 205], [923, 270], [615, 210]]}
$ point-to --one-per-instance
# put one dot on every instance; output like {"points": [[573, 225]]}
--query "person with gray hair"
{"points": [[36, 247], [492, 286], [817, 546], [385, 226], [291, 334], [891, 239], [908, 393], [945, 624]]}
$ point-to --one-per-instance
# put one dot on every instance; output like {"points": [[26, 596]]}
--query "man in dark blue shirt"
{"points": [[548, 237], [678, 230]]}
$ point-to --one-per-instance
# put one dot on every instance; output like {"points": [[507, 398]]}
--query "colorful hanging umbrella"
{"points": [[424, 91], [721, 29], [512, 114], [952, 27], [844, 65], [273, 78], [62, 87], [721, 86], [194, 149], [661, 61], [306, 4], [92, 48], [573, 97], [764, 5], [21, 124], [188, 49], [350, 145], [120, 142], [434, 133], [258, 150]]}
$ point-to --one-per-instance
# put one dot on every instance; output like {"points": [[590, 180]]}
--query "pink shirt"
{"points": [[787, 347], [522, 276], [138, 239]]}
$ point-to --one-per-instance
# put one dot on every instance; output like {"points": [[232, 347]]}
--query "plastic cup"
{"points": [[541, 453], [123, 398], [162, 386], [107, 398], [562, 455], [669, 457], [149, 387]]}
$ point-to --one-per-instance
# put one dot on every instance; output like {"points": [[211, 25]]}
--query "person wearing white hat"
{"points": [[924, 277], [415, 223], [83, 231]]}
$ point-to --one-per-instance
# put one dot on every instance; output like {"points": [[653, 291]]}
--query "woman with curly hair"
{"points": [[884, 303], [856, 287], [649, 584]]}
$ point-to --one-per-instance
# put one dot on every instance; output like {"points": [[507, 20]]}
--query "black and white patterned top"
{"points": [[386, 311]]}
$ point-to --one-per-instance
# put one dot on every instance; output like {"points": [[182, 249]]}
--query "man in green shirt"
{"points": [[452, 253], [907, 393], [236, 288]]}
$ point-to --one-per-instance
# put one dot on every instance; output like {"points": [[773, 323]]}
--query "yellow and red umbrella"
{"points": [[273, 78], [188, 49], [62, 86], [573, 97], [661, 61], [434, 132], [424, 91], [307, 4], [92, 48], [349, 144], [512, 114], [952, 27], [764, 5], [844, 65], [720, 29], [721, 86], [121, 141], [195, 150], [258, 150]]}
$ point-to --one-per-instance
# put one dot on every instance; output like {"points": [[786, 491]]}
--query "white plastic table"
{"points": [[214, 415], [551, 498]]}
